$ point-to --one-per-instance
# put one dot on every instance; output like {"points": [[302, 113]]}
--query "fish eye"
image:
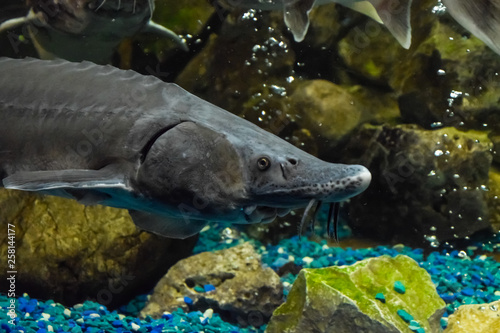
{"points": [[263, 163]]}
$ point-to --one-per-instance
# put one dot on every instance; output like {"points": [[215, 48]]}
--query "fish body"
{"points": [[79, 30], [107, 136], [481, 17]]}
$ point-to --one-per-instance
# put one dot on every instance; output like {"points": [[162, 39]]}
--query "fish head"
{"points": [[281, 177], [239, 175]]}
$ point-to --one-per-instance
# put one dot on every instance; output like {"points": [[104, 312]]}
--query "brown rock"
{"points": [[245, 292], [430, 186], [475, 318]]}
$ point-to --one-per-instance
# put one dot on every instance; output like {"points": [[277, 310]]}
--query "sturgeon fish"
{"points": [[79, 30], [106, 136], [481, 17]]}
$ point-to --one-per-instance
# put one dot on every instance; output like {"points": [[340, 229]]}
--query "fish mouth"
{"points": [[263, 214]]}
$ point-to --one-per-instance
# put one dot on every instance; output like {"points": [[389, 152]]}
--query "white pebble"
{"points": [[80, 321], [45, 316], [94, 315], [286, 284], [497, 293], [281, 250], [50, 328], [208, 313], [26, 315], [78, 306], [325, 247], [135, 327], [67, 312], [307, 260]]}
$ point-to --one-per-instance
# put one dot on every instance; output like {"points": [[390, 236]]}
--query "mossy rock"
{"points": [[69, 252], [493, 196], [342, 299], [431, 188]]}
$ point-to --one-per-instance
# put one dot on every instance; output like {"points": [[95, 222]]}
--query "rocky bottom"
{"points": [[462, 277]]}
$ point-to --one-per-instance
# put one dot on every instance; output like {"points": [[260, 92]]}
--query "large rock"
{"points": [[69, 252], [475, 318], [431, 186], [245, 292], [331, 112], [343, 299]]}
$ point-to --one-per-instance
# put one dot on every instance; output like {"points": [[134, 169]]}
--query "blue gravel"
{"points": [[461, 277], [380, 297], [399, 287], [91, 317]]}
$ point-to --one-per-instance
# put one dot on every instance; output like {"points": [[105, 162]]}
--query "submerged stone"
{"points": [[343, 299], [432, 185], [475, 318], [69, 252], [325, 108], [241, 289]]}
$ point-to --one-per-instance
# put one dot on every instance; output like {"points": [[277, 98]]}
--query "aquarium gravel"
{"points": [[461, 277]]}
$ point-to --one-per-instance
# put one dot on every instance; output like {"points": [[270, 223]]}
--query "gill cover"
{"points": [[194, 168]]}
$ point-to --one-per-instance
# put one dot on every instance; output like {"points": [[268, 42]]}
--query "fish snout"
{"points": [[354, 180]]}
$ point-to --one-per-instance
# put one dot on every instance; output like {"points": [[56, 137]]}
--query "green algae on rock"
{"points": [[343, 299], [70, 253], [493, 196]]}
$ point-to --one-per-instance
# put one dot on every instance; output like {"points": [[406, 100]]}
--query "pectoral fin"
{"points": [[167, 226], [296, 17], [155, 28], [14, 23], [481, 17], [107, 177]]}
